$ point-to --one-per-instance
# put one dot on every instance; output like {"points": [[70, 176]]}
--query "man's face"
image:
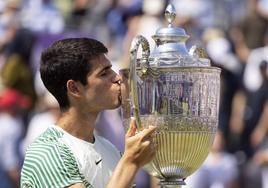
{"points": [[103, 88]]}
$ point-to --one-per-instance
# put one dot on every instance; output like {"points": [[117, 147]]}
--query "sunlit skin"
{"points": [[101, 92], [103, 88]]}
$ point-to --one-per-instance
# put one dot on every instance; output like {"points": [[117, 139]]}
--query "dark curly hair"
{"points": [[68, 59]]}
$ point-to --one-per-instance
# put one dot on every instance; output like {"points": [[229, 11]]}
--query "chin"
{"points": [[110, 106], [113, 103], [116, 105]]}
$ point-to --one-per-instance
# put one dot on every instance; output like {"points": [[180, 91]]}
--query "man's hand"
{"points": [[140, 148]]}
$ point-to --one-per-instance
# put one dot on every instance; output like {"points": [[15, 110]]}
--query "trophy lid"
{"points": [[170, 33], [170, 45]]}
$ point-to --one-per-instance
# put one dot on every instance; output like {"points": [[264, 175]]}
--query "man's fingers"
{"points": [[144, 134], [147, 133], [132, 128]]}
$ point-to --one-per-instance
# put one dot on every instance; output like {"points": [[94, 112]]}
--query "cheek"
{"points": [[101, 90], [104, 88]]}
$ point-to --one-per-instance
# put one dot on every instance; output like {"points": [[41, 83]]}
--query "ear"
{"points": [[73, 88]]}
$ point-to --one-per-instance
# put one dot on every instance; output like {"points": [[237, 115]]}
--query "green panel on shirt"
{"points": [[50, 163]]}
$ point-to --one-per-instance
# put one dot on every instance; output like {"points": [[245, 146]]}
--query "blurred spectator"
{"points": [[252, 75], [78, 14], [116, 20], [255, 107], [64, 7], [9, 21], [17, 72], [259, 135], [250, 32], [11, 104], [118, 17], [220, 51], [227, 13], [198, 11], [189, 14], [255, 172], [195, 16], [42, 16], [218, 171], [149, 22], [262, 7], [145, 24], [89, 16], [2, 5]]}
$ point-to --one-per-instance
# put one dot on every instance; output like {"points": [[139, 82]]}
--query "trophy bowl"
{"points": [[178, 92]]}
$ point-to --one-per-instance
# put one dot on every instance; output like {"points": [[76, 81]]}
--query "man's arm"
{"points": [[139, 150]]}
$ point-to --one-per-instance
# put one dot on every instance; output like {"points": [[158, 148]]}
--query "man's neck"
{"points": [[78, 124]]}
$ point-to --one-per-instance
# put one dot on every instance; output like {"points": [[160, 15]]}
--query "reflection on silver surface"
{"points": [[178, 92]]}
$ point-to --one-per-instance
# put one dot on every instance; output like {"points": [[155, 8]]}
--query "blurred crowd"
{"points": [[233, 32]]}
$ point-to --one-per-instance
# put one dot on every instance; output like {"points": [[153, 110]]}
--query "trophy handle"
{"points": [[136, 42]]}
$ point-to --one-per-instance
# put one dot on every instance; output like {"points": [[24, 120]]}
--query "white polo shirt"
{"points": [[58, 159], [96, 161]]}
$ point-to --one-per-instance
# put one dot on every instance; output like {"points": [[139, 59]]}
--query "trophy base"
{"points": [[171, 183]]}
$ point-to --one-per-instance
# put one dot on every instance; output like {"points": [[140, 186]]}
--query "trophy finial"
{"points": [[170, 14]]}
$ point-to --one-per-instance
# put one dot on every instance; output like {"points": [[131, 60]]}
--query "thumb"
{"points": [[132, 128]]}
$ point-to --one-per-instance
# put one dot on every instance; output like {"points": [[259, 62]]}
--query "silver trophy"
{"points": [[178, 91]]}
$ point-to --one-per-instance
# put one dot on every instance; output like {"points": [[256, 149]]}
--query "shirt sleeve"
{"points": [[49, 166]]}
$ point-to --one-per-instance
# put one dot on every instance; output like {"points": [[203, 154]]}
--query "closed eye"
{"points": [[106, 71], [103, 73]]}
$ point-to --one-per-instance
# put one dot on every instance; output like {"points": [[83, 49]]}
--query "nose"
{"points": [[118, 79]]}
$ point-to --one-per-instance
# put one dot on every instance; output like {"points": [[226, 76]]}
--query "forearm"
{"points": [[139, 150], [123, 175]]}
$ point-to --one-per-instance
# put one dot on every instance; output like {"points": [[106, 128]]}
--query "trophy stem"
{"points": [[171, 183], [170, 186]]}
